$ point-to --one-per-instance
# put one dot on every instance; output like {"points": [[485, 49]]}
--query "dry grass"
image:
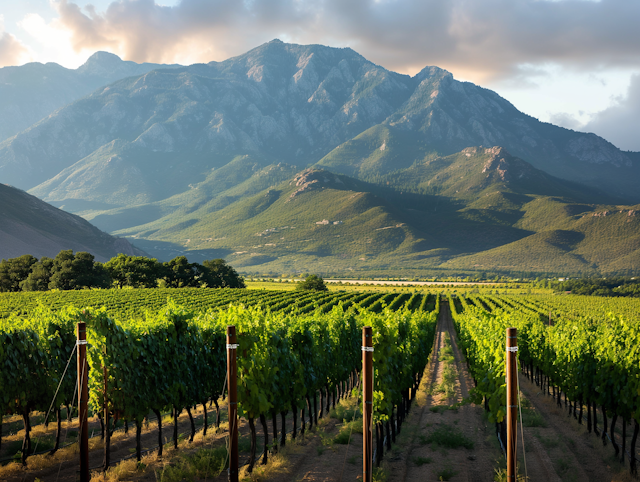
{"points": [[45, 461], [277, 466], [125, 470]]}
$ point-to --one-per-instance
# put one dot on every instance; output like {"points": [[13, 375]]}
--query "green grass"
{"points": [[442, 408], [449, 372], [346, 412], [420, 461], [446, 473], [447, 436], [204, 463], [343, 437], [548, 442], [532, 418], [244, 444]]}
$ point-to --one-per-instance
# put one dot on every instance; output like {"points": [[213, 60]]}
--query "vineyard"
{"points": [[295, 347], [133, 303], [582, 349], [299, 355]]}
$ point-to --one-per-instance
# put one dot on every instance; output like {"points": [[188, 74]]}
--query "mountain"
{"points": [[493, 212], [283, 103], [31, 226], [33, 91], [441, 174]]}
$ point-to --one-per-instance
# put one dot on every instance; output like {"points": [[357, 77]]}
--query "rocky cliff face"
{"points": [[314, 179], [34, 91]]}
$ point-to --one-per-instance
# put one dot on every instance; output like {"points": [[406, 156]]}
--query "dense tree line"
{"points": [[616, 286], [69, 271]]}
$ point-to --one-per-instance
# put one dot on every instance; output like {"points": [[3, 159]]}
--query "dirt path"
{"points": [[448, 441]]}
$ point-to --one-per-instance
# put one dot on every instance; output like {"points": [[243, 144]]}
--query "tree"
{"points": [[179, 273], [134, 271], [220, 275], [71, 272], [40, 276], [14, 271], [313, 283]]}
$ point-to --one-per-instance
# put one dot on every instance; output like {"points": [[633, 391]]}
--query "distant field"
{"points": [[399, 286], [134, 303]]}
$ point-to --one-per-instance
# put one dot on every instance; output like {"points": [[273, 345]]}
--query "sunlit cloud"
{"points": [[54, 41], [482, 41], [12, 51]]}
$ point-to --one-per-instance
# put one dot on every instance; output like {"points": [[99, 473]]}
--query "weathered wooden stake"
{"points": [[367, 404], [83, 399], [107, 432], [512, 402], [232, 384]]}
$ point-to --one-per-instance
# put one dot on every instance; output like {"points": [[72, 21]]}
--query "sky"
{"points": [[575, 63]]}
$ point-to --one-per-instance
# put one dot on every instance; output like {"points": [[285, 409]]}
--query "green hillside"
{"points": [[478, 210], [241, 177]]}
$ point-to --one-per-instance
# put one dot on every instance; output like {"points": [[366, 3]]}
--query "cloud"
{"points": [[482, 40], [619, 123], [12, 51], [564, 119], [193, 31]]}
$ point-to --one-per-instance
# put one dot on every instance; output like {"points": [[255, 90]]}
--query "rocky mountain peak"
{"points": [[432, 72], [314, 179], [100, 63], [502, 163]]}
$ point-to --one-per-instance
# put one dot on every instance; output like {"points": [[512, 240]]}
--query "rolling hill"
{"points": [[493, 213]]}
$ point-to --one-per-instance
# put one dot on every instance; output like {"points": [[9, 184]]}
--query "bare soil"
{"points": [[422, 460], [567, 450]]}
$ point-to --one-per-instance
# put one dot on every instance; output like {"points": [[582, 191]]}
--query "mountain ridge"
{"points": [[318, 220], [297, 103], [34, 91], [31, 226]]}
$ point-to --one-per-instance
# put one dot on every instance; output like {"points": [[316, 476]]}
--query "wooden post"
{"points": [[232, 384], [107, 435], [83, 400], [512, 402], [367, 404]]}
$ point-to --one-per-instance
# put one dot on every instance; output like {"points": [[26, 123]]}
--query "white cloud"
{"points": [[564, 119], [620, 123], [482, 41], [12, 51]]}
